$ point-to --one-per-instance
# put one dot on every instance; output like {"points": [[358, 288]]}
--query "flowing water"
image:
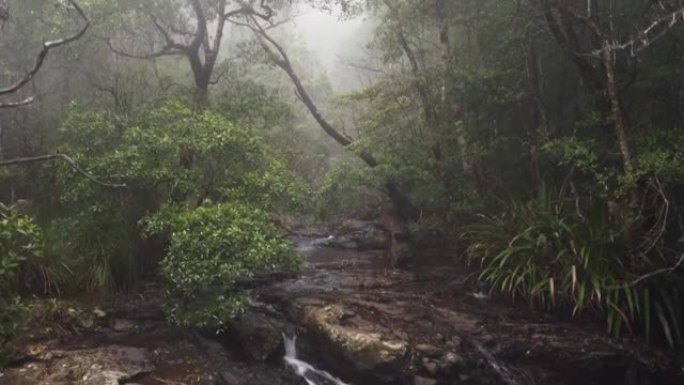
{"points": [[311, 375], [454, 335]]}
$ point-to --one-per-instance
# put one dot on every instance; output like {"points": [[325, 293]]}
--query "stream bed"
{"points": [[347, 319]]}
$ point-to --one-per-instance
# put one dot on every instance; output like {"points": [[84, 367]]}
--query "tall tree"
{"points": [[278, 55], [195, 33], [608, 36], [26, 78]]}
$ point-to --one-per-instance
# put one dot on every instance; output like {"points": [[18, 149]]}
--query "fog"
{"points": [[335, 42]]}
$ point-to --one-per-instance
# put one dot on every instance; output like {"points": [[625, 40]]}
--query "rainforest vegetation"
{"points": [[166, 141]]}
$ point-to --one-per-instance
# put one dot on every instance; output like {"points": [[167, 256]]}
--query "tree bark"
{"points": [[621, 133], [616, 109]]}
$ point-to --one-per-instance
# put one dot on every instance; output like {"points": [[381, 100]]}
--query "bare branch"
{"points": [[654, 32], [166, 51], [668, 270], [170, 43], [22, 103], [278, 55], [47, 46], [71, 161], [172, 47], [247, 9]]}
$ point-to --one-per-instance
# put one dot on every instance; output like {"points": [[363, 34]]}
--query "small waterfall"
{"points": [[311, 375], [306, 247]]}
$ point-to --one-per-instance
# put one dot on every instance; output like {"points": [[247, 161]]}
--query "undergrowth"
{"points": [[557, 254]]}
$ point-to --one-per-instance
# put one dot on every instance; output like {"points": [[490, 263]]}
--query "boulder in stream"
{"points": [[365, 351], [259, 336]]}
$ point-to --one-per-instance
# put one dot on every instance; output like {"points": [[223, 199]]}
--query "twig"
{"points": [[668, 270], [71, 161], [47, 46], [22, 103]]}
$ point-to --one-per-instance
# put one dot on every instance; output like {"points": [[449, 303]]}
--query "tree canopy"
{"points": [[541, 138]]}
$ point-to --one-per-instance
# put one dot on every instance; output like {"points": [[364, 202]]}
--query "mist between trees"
{"points": [[158, 139]]}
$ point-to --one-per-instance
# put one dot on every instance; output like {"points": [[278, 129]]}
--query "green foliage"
{"points": [[20, 256], [211, 249], [13, 317], [556, 254], [347, 187], [20, 245], [24, 265], [169, 155]]}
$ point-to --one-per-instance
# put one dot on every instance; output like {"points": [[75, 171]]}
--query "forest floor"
{"points": [[125, 341], [448, 332]]}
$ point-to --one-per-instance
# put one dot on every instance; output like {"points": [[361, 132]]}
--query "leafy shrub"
{"points": [[20, 242], [555, 255], [211, 249], [169, 155], [25, 268], [20, 256], [347, 187], [13, 317], [100, 249]]}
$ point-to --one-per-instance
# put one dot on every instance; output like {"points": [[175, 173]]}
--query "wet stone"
{"points": [[430, 367], [451, 362], [259, 335], [123, 325], [429, 350], [418, 380]]}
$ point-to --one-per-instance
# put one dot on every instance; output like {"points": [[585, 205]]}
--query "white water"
{"points": [[306, 247], [311, 375]]}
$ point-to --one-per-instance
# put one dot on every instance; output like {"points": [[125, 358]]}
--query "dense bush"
{"points": [[13, 316], [211, 249], [168, 155], [557, 254], [20, 268], [347, 187]]}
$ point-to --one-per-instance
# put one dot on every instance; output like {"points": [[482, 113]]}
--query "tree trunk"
{"points": [[405, 208], [621, 132], [451, 116], [540, 126], [618, 113]]}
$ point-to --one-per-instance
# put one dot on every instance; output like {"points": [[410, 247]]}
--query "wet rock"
{"points": [[110, 365], [365, 351], [452, 363], [418, 380], [260, 336], [228, 378], [429, 350], [61, 376], [123, 325], [430, 367], [355, 234], [454, 342]]}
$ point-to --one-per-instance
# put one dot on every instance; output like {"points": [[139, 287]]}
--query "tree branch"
{"points": [[166, 51], [22, 103], [668, 270], [278, 55], [71, 161], [643, 40], [47, 46], [246, 9]]}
